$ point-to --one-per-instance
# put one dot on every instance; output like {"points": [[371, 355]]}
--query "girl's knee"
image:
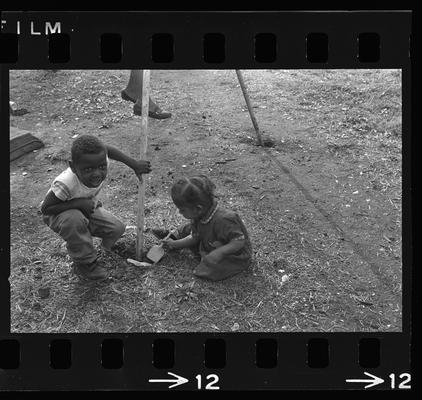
{"points": [[205, 272]]}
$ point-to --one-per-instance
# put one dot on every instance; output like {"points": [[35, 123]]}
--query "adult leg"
{"points": [[133, 93], [133, 90]]}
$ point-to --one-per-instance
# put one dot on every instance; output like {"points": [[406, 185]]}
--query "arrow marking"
{"points": [[178, 381], [372, 382]]}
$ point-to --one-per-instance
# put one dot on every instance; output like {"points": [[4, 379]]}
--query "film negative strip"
{"points": [[274, 145]]}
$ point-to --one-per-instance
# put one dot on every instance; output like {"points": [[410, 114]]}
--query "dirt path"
{"points": [[322, 204]]}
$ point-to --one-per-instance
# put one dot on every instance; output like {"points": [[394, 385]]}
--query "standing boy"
{"points": [[71, 207]]}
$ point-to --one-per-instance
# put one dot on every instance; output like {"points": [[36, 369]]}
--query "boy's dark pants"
{"points": [[77, 231]]}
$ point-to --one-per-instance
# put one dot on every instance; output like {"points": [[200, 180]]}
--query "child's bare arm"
{"points": [[139, 166], [52, 205], [187, 241]]}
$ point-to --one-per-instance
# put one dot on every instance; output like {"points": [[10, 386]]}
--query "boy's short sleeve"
{"points": [[229, 228], [60, 190]]}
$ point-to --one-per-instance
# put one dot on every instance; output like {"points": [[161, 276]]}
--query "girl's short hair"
{"points": [[86, 144], [190, 192]]}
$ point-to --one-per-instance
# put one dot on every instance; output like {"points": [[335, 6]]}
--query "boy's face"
{"points": [[91, 169]]}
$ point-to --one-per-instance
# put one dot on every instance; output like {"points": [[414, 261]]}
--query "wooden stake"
{"points": [[143, 151], [248, 103]]}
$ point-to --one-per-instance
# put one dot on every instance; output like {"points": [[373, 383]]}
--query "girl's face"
{"points": [[191, 212], [91, 169]]}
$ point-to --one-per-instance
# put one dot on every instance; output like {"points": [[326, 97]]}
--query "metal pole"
{"points": [[143, 151], [248, 103]]}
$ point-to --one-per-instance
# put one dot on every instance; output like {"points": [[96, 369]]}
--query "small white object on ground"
{"points": [[285, 278], [138, 263]]}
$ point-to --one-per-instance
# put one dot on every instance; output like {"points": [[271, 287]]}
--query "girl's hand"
{"points": [[169, 244], [141, 167]]}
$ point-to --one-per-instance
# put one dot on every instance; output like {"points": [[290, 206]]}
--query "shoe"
{"points": [[126, 97], [93, 271], [159, 114], [162, 233]]}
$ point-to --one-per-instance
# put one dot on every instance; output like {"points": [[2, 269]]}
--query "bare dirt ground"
{"points": [[322, 201]]}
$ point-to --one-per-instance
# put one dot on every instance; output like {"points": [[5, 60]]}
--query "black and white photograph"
{"points": [[213, 200]]}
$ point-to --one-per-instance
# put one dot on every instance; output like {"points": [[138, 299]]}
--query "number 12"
{"points": [[404, 384], [213, 379]]}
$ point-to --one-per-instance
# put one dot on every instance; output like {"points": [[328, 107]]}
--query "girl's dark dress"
{"points": [[222, 228]]}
